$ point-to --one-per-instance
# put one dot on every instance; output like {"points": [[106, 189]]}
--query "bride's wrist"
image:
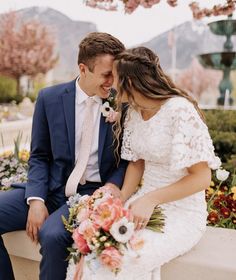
{"points": [[153, 198], [124, 197]]}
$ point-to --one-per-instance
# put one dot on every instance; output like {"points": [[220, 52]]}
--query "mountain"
{"points": [[68, 34], [192, 38]]}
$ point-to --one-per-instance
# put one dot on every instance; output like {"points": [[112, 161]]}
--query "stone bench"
{"points": [[214, 257]]}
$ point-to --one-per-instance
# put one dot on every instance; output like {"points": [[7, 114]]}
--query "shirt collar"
{"points": [[81, 96]]}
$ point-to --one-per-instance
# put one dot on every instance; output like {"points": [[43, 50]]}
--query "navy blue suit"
{"points": [[51, 162]]}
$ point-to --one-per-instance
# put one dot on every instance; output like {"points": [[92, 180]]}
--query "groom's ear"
{"points": [[82, 69]]}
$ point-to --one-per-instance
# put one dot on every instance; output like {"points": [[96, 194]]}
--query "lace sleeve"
{"points": [[191, 140], [126, 150]]}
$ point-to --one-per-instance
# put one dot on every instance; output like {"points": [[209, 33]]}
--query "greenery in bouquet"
{"points": [[221, 200], [13, 165]]}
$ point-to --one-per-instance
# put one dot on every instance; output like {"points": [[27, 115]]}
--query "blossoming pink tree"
{"points": [[26, 48], [226, 8]]}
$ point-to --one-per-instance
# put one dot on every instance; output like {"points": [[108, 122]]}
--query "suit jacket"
{"points": [[53, 144]]}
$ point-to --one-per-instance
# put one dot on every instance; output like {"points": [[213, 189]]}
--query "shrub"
{"points": [[7, 89], [222, 128]]}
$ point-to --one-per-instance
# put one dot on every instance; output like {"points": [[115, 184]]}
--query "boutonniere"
{"points": [[108, 108]]}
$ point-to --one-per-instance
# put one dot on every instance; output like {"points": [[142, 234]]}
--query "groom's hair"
{"points": [[96, 44]]}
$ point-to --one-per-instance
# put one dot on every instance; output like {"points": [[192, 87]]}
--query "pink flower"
{"points": [[136, 242], [80, 242], [83, 214], [112, 116], [87, 230], [111, 258], [102, 191], [107, 213]]}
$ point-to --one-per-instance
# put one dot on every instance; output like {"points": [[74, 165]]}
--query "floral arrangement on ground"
{"points": [[13, 166], [221, 200]]}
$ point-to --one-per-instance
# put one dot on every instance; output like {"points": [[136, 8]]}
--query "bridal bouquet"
{"points": [[102, 230]]}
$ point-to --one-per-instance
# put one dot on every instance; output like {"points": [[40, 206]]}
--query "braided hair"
{"points": [[139, 69]]}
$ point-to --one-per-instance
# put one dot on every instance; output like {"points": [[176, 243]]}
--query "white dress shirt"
{"points": [[92, 170]]}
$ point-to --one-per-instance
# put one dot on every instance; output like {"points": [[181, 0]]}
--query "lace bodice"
{"points": [[175, 136], [172, 140]]}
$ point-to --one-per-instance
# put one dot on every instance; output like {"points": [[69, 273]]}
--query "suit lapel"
{"points": [[68, 99], [102, 136]]}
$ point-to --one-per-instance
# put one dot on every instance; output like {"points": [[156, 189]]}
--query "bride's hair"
{"points": [[139, 69]]}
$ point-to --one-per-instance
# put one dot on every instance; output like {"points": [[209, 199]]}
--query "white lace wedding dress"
{"points": [[172, 140]]}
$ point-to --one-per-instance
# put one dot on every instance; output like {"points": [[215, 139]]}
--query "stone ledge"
{"points": [[213, 258], [19, 244]]}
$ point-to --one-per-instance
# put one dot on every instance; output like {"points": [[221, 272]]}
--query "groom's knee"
{"points": [[50, 237], [13, 211]]}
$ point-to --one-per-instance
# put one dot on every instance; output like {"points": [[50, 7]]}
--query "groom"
{"points": [[58, 152]]}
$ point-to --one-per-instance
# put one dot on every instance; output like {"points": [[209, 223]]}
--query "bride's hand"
{"points": [[141, 210]]}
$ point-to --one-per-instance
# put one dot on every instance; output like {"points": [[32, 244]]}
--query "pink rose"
{"points": [[80, 242], [111, 258]]}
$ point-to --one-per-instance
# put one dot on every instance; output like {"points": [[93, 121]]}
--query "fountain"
{"points": [[225, 60]]}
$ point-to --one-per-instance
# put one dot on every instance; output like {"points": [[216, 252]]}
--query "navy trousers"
{"points": [[53, 237]]}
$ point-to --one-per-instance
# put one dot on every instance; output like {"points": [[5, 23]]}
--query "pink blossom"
{"points": [[87, 230], [107, 213], [106, 191], [102, 191], [83, 214], [80, 242], [136, 242], [113, 116], [111, 258], [131, 5]]}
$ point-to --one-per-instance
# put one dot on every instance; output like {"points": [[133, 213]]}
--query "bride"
{"points": [[168, 145]]}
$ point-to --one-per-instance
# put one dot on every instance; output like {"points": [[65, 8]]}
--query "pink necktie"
{"points": [[77, 175]]}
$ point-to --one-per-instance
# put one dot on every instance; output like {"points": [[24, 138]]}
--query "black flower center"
{"points": [[107, 109], [123, 229]]}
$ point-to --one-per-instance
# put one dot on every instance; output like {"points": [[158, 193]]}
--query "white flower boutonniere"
{"points": [[108, 108]]}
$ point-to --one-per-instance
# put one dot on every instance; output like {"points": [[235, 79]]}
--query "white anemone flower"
{"points": [[106, 109], [122, 230], [222, 174]]}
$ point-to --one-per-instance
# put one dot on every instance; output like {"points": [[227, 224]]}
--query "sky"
{"points": [[141, 26]]}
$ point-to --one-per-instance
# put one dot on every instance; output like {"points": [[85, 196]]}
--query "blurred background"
{"points": [[39, 45], [45, 52]]}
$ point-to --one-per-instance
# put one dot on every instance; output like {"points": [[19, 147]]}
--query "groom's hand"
{"points": [[38, 213]]}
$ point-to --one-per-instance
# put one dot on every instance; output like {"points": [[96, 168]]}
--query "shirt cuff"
{"points": [[34, 198]]}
